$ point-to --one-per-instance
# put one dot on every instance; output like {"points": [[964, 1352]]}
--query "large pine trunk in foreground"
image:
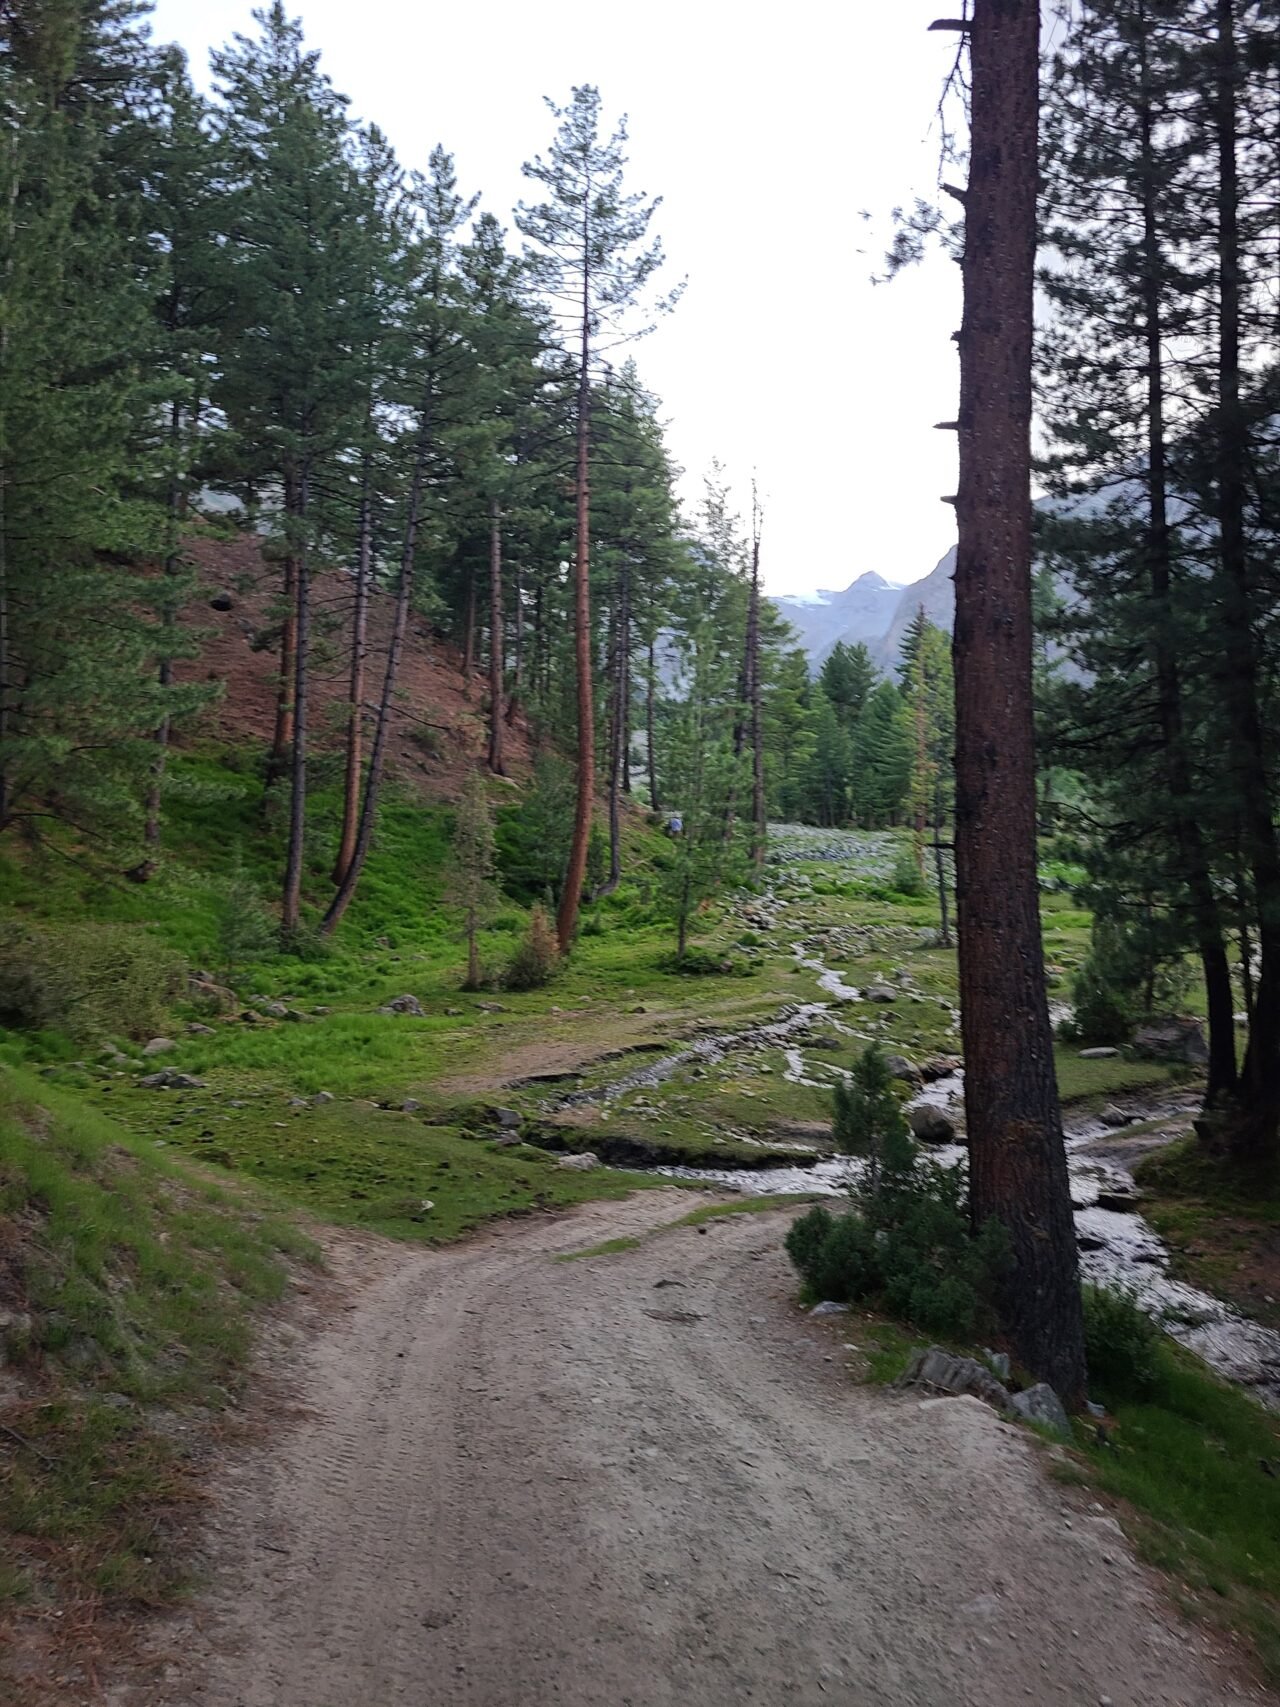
{"points": [[571, 895], [1017, 1162]]}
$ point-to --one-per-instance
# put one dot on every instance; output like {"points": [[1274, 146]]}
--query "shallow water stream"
{"points": [[1118, 1247]]}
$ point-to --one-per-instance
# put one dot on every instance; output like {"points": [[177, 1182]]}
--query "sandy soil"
{"points": [[642, 1480]]}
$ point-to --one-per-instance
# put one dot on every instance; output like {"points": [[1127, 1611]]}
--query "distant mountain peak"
{"points": [[872, 578]]}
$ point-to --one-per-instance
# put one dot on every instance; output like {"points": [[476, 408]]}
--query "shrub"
{"points": [[906, 879], [1121, 1343], [907, 1244], [87, 980], [534, 963]]}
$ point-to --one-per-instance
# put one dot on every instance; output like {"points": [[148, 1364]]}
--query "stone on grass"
{"points": [[410, 1106], [944, 1372], [829, 1307], [322, 1097], [195, 1029], [1173, 1040], [581, 1163], [1102, 1053], [406, 1004], [159, 1046], [881, 993], [1040, 1404], [508, 1118], [900, 1068], [169, 1080], [931, 1124]]}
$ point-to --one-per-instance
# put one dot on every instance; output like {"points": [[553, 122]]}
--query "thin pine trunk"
{"points": [[292, 907], [756, 707], [497, 641], [400, 622], [1018, 1169], [1194, 857], [567, 917], [1252, 1136], [650, 744], [356, 684], [469, 637], [624, 683], [517, 661], [282, 736]]}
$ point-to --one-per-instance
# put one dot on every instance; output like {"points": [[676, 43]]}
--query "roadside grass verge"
{"points": [[129, 1286], [1222, 1227], [1194, 1466]]}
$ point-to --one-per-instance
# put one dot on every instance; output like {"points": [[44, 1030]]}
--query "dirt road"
{"points": [[641, 1480]]}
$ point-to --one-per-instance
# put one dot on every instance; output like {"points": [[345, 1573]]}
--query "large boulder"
{"points": [[1174, 1039], [931, 1124], [582, 1163], [1040, 1404], [881, 993], [943, 1372], [900, 1068]]}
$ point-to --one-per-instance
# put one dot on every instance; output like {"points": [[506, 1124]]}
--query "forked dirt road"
{"points": [[642, 1480]]}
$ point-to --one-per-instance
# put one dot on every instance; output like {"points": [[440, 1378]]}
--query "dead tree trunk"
{"points": [[1018, 1170]]}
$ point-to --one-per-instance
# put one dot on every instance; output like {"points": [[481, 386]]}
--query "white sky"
{"points": [[766, 132]]}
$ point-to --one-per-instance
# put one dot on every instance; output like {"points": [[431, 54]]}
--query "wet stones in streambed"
{"points": [[931, 1124]]}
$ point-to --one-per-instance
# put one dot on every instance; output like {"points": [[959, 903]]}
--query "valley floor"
{"points": [[643, 1478]]}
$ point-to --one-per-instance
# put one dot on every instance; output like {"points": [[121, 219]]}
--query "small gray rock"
{"points": [[1114, 1117], [1042, 1405], [1100, 1054], [322, 1097], [829, 1307], [582, 1163], [945, 1373], [195, 1029], [275, 1010], [881, 993], [185, 1082], [159, 1046], [406, 1004], [998, 1363], [410, 1106], [900, 1068], [508, 1118]]}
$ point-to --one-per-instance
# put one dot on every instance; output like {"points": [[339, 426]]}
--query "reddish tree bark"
{"points": [[1017, 1162], [571, 896], [355, 690], [497, 641]]}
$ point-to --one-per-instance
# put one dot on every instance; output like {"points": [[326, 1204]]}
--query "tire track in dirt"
{"points": [[642, 1480]]}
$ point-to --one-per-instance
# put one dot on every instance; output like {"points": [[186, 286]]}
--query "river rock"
{"points": [[1102, 1053], [900, 1068], [931, 1124], [582, 1163], [1172, 1040], [1040, 1404], [1115, 1117], [940, 1067], [1118, 1199], [406, 1004]]}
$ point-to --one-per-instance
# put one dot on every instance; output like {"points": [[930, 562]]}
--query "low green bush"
{"points": [[907, 878], [907, 1243], [1121, 1342], [87, 980]]}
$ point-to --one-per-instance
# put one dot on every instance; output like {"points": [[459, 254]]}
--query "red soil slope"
{"points": [[438, 729]]}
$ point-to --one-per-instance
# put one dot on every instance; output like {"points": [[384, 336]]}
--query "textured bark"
{"points": [[1252, 1135], [517, 662], [571, 896], [400, 622], [1018, 1170], [291, 909], [282, 737], [650, 743], [756, 708], [497, 641], [355, 688], [1193, 854], [469, 638]]}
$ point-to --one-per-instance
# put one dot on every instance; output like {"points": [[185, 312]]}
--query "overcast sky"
{"points": [[767, 135]]}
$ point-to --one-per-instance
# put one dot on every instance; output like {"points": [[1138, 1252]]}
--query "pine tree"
{"points": [[593, 258], [470, 885], [1018, 1172]]}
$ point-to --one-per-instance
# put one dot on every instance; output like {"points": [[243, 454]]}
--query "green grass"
{"points": [[141, 1279], [1189, 1459]]}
